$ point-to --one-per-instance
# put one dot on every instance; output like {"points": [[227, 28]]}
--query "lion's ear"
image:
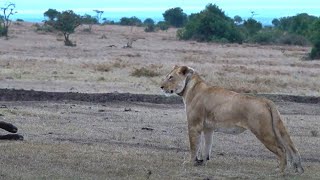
{"points": [[185, 70], [175, 66]]}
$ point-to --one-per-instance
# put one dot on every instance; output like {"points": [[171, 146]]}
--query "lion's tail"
{"points": [[284, 138]]}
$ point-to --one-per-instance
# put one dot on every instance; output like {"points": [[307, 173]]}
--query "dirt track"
{"points": [[115, 139]]}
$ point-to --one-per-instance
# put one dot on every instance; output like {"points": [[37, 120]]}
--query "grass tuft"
{"points": [[145, 72]]}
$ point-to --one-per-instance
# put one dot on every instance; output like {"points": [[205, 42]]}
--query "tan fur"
{"points": [[211, 108]]}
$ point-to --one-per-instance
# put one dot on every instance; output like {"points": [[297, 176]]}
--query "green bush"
{"points": [[299, 24], [1, 31], [293, 39], [315, 51], [150, 28], [43, 28], [252, 26], [163, 25], [265, 37], [211, 24]]}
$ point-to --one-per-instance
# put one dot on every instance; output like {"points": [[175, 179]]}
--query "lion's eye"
{"points": [[170, 77]]}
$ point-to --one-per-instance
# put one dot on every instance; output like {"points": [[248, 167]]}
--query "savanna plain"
{"points": [[135, 140]]}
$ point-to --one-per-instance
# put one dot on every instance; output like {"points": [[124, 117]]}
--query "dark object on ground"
{"points": [[10, 128]]}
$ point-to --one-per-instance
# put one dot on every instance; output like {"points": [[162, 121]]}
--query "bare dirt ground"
{"points": [[132, 140], [93, 137]]}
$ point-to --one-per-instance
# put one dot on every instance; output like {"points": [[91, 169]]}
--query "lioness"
{"points": [[212, 108]]}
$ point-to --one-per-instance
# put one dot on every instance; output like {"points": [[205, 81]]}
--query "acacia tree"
{"points": [[89, 20], [99, 14], [66, 22], [52, 14], [5, 20]]}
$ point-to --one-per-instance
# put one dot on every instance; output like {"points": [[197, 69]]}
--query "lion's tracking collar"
{"points": [[188, 78]]}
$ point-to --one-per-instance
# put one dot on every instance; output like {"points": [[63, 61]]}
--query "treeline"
{"points": [[213, 25]]}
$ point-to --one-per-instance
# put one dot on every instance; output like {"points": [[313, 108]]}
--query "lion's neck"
{"points": [[191, 88]]}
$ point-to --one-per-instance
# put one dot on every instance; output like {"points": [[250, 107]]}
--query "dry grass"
{"points": [[314, 133], [102, 67], [27, 58], [144, 72]]}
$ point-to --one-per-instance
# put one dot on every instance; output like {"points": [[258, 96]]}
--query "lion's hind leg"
{"points": [[292, 151], [269, 140]]}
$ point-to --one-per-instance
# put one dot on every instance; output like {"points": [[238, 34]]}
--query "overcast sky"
{"points": [[155, 8]]}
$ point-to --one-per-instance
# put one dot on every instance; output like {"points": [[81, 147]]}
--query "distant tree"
{"points": [[89, 20], [66, 22], [99, 14], [51, 14], [237, 19], [175, 17], [211, 24], [148, 21], [276, 22], [252, 26], [5, 20], [133, 21]]}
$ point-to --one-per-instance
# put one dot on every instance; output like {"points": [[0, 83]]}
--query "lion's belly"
{"points": [[230, 130], [225, 127]]}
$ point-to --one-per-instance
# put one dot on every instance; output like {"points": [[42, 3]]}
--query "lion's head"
{"points": [[176, 80]]}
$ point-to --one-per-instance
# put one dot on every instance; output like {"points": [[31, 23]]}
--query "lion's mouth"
{"points": [[168, 91]]}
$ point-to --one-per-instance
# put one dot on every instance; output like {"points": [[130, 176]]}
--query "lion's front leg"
{"points": [[208, 143], [195, 143]]}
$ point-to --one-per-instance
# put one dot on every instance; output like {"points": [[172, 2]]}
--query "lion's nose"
{"points": [[161, 87]]}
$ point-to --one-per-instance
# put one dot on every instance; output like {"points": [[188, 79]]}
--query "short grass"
{"points": [[76, 140]]}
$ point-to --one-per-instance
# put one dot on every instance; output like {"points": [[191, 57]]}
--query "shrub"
{"points": [[150, 28], [299, 24], [163, 25], [43, 28], [315, 51], [265, 37], [20, 20], [293, 39], [252, 26], [89, 20], [5, 20]]}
